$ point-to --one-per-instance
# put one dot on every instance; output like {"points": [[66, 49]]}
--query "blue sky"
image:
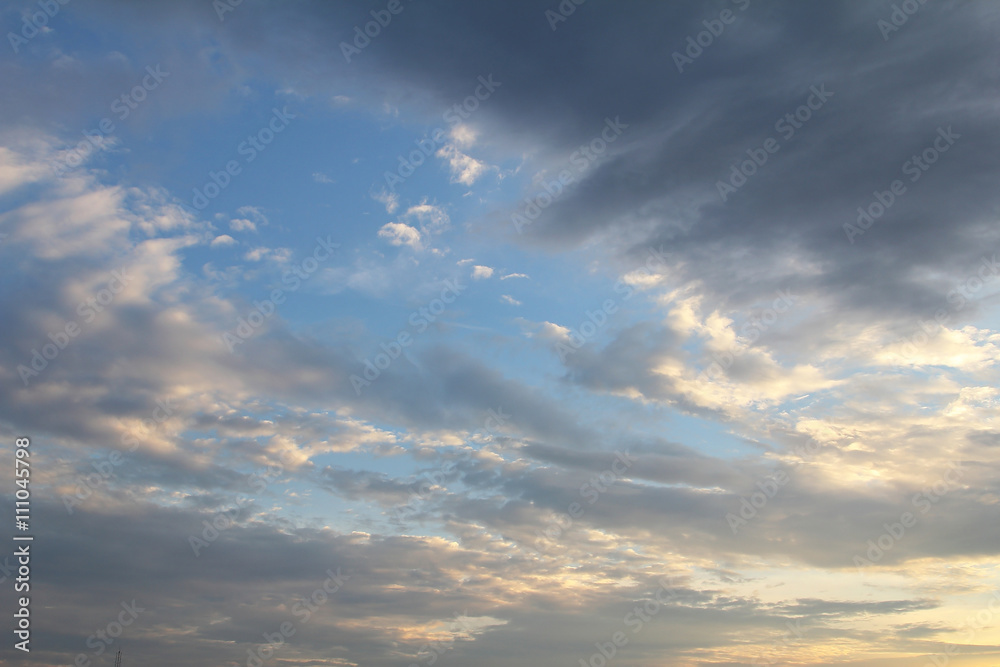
{"points": [[272, 312]]}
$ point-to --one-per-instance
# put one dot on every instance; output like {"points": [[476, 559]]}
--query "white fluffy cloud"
{"points": [[464, 169], [399, 234], [480, 272], [388, 199], [430, 218]]}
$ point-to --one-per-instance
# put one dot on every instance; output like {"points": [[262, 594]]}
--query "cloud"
{"points": [[388, 199], [17, 170], [242, 225], [253, 214], [257, 254], [508, 299], [320, 177], [464, 169], [514, 275], [397, 234], [544, 330], [894, 397], [480, 272], [463, 135], [431, 219]]}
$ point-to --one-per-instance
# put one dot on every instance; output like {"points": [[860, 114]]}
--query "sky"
{"points": [[552, 333]]}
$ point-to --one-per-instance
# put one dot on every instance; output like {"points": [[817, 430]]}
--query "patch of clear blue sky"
{"points": [[354, 147]]}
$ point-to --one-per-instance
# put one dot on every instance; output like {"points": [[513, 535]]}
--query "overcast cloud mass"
{"points": [[407, 333]]}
